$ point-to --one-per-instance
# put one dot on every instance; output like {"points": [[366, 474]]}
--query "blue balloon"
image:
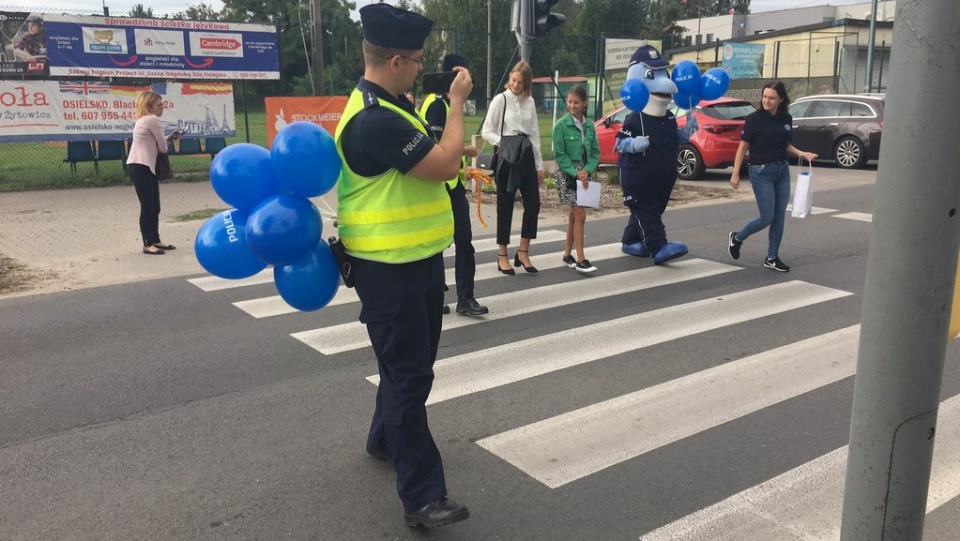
{"points": [[283, 229], [686, 75], [242, 176], [312, 282], [305, 159], [222, 249], [714, 83], [686, 101], [634, 94]]}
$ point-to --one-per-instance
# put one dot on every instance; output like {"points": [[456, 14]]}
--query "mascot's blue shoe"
{"points": [[669, 252], [638, 249]]}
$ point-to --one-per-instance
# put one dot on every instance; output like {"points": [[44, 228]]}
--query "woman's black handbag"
{"points": [[164, 171]]}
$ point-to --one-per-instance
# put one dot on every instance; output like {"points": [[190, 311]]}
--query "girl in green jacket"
{"points": [[577, 152]]}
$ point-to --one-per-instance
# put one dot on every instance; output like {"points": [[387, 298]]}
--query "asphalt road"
{"points": [[607, 406]]}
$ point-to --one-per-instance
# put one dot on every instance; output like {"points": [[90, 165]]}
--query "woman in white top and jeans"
{"points": [[513, 112], [148, 142]]}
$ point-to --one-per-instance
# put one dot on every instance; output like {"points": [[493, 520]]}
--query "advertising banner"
{"points": [[84, 110], [23, 47], [324, 111], [743, 60], [85, 46]]}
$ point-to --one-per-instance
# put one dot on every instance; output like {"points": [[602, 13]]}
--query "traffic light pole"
{"points": [[526, 30], [911, 270]]}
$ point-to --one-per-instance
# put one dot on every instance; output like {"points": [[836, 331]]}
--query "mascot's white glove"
{"points": [[633, 145]]}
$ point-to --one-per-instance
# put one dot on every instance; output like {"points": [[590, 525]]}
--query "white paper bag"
{"points": [[588, 197], [803, 195]]}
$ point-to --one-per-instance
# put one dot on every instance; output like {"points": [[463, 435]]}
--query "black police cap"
{"points": [[389, 26]]}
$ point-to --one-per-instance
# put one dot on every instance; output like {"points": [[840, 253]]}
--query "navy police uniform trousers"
{"points": [[465, 263], [402, 308], [646, 193]]}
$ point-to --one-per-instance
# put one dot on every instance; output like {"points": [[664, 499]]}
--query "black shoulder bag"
{"points": [[510, 148]]}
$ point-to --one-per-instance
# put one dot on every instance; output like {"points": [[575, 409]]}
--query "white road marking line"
{"points": [[349, 336], [806, 502], [813, 210], [276, 306], [858, 216], [214, 283], [622, 428]]}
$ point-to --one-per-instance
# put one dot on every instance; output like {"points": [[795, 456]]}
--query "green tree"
{"points": [[200, 12], [343, 61], [141, 12]]}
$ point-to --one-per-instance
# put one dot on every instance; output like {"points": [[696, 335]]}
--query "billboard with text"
{"points": [[87, 46], [84, 110]]}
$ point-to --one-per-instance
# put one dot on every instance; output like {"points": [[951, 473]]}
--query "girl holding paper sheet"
{"points": [[767, 135], [577, 152]]}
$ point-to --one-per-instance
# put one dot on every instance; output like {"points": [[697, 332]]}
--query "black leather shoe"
{"points": [[446, 309], [470, 307], [439, 513]]}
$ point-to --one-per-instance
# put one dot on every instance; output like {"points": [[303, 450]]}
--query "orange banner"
{"points": [[324, 111]]}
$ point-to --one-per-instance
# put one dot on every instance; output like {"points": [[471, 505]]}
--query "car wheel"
{"points": [[689, 163], [849, 154]]}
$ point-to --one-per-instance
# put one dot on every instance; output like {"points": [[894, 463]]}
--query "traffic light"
{"points": [[543, 20]]}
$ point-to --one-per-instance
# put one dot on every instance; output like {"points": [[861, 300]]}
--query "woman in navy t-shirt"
{"points": [[767, 134]]}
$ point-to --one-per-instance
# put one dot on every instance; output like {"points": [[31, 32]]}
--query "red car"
{"points": [[714, 144]]}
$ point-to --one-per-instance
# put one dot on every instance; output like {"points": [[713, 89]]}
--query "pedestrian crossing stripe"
{"points": [[856, 216], [353, 335], [214, 283], [275, 306], [552, 451], [813, 210], [806, 502]]}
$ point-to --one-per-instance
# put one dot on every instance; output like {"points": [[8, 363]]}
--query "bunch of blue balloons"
{"points": [[272, 222], [693, 87]]}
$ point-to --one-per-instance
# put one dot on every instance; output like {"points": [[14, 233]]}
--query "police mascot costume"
{"points": [[648, 143]]}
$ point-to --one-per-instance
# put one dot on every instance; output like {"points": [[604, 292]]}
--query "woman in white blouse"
{"points": [[148, 142], [513, 112]]}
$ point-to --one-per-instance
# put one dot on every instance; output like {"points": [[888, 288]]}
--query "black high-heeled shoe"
{"points": [[509, 271], [516, 263]]}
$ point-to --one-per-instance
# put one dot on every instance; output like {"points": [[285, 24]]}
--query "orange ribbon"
{"points": [[479, 177]]}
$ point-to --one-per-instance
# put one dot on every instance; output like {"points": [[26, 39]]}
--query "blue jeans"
{"points": [[771, 186]]}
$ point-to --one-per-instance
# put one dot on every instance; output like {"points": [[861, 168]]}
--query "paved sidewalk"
{"points": [[91, 237]]}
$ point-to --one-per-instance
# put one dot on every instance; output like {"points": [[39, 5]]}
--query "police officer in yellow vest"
{"points": [[395, 220], [434, 110]]}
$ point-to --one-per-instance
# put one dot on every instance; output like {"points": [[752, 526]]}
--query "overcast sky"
{"points": [[161, 7]]}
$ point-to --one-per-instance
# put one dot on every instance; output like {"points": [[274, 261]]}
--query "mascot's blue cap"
{"points": [[649, 56], [388, 26]]}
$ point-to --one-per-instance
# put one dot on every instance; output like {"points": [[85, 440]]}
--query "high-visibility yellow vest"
{"points": [[452, 183], [393, 217]]}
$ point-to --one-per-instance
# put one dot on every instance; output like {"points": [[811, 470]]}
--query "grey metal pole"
{"points": [[489, 51], [316, 36], [911, 270], [526, 29], [870, 43]]}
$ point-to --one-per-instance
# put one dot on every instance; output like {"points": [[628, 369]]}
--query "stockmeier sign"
{"points": [[87, 46]]}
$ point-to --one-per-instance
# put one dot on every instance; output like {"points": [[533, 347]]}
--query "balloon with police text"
{"points": [[222, 249], [714, 83], [305, 159], [634, 94], [284, 228], [686, 75], [312, 282], [242, 175], [686, 101]]}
